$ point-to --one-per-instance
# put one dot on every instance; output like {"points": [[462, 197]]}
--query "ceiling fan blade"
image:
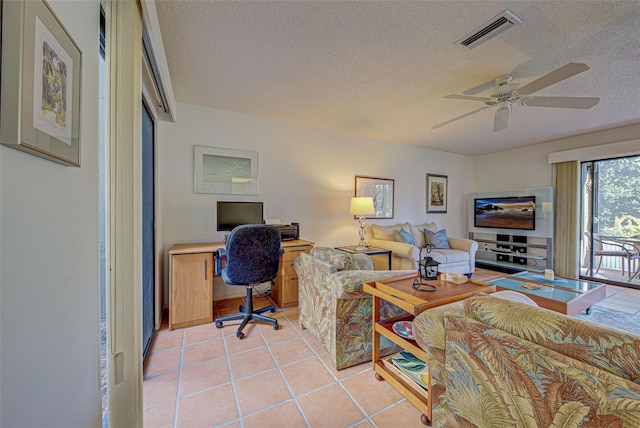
{"points": [[501, 117], [560, 102], [467, 97], [555, 76], [483, 87], [460, 117]]}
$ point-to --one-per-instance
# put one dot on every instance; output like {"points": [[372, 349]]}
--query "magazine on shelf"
{"points": [[408, 367]]}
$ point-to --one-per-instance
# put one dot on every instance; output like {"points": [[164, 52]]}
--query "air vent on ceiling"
{"points": [[494, 26]]}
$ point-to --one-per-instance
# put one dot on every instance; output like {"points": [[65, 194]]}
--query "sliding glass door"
{"points": [[610, 239]]}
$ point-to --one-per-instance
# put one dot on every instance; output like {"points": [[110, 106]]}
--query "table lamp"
{"points": [[362, 206]]}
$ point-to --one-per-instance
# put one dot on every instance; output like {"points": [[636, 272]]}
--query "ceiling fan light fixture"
{"points": [[501, 116], [503, 21], [505, 94]]}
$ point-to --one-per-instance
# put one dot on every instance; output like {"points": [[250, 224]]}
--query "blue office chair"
{"points": [[252, 257]]}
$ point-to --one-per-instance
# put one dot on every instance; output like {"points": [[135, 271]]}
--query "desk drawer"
{"points": [[289, 290], [285, 293], [288, 259], [290, 254], [287, 268]]}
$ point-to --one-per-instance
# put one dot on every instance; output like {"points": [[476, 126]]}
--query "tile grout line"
{"points": [[358, 406], [240, 418], [284, 379], [344, 388], [177, 405], [232, 380], [384, 409]]}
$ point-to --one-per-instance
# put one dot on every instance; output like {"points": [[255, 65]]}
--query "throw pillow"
{"points": [[387, 233], [404, 236], [418, 234], [437, 239], [383, 232]]}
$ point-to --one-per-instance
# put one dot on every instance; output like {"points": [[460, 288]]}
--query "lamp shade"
{"points": [[362, 206]]}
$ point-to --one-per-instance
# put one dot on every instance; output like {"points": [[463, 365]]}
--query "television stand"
{"points": [[513, 253]]}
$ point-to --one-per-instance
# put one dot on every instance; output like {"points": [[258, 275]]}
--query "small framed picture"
{"points": [[437, 193], [381, 190]]}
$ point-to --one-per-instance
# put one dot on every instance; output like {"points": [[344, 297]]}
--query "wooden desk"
{"points": [[191, 272]]}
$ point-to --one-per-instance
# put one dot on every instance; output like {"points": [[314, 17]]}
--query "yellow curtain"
{"points": [[566, 220]]}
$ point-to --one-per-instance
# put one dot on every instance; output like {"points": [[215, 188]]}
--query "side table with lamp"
{"points": [[360, 207]]}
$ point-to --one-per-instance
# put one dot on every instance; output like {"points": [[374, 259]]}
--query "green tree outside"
{"points": [[618, 196]]}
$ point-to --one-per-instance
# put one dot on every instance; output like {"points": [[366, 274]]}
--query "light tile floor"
{"points": [[622, 299], [203, 377]]}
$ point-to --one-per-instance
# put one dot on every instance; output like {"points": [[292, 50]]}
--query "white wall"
{"points": [[529, 166], [49, 308], [305, 175]]}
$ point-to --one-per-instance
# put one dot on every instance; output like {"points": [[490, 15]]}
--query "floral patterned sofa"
{"points": [[495, 362], [333, 307]]}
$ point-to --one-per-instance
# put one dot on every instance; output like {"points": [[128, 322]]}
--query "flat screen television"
{"points": [[231, 214], [517, 212]]}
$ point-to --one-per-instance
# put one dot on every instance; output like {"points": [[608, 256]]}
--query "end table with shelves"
{"points": [[399, 291], [370, 251]]}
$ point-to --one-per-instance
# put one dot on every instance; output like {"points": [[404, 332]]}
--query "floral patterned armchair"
{"points": [[333, 307]]}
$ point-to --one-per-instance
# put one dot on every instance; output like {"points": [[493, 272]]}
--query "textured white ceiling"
{"points": [[380, 69]]}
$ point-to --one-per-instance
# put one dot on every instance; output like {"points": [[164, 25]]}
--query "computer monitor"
{"points": [[231, 214]]}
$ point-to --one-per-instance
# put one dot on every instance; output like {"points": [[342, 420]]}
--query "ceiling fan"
{"points": [[506, 93]]}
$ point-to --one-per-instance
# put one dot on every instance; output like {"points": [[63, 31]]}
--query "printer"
{"points": [[288, 232]]}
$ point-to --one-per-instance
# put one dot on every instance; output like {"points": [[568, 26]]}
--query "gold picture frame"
{"points": [[437, 193], [41, 83], [381, 190]]}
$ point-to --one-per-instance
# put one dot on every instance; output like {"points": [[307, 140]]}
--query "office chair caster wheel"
{"points": [[275, 326], [273, 310], [239, 335], [219, 324]]}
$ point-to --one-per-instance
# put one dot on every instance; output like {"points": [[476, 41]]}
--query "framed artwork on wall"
{"points": [[41, 83], [437, 193], [233, 172], [381, 190]]}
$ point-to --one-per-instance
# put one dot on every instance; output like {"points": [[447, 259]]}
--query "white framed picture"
{"points": [[226, 171]]}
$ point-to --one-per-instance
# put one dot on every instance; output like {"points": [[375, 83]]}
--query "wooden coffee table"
{"points": [[399, 291], [564, 295]]}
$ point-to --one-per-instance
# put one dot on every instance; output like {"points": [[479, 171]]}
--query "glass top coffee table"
{"points": [[564, 295]]}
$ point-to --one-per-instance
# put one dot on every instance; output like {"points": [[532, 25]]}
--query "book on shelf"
{"points": [[413, 370]]}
